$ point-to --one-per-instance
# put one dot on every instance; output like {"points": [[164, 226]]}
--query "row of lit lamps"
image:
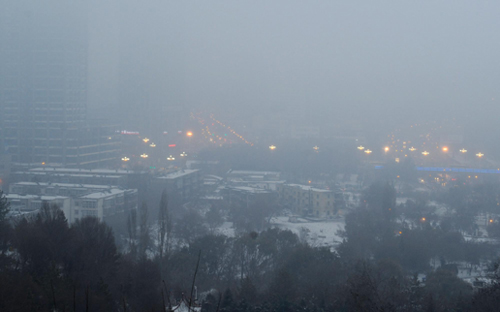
{"points": [[425, 153], [183, 154], [273, 147]]}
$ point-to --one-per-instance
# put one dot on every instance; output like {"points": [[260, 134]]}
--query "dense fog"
{"points": [[249, 156]]}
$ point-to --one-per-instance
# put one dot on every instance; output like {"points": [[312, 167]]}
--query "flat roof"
{"points": [[251, 172], [76, 170], [74, 185], [178, 174], [308, 188], [99, 195], [43, 197], [68, 174], [248, 189]]}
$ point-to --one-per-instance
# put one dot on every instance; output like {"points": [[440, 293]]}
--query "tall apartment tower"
{"points": [[43, 84]]}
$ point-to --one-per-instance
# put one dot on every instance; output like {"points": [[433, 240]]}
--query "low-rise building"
{"points": [[185, 184], [56, 189], [102, 204], [21, 205], [250, 175], [105, 204], [121, 178], [246, 196], [306, 200]]}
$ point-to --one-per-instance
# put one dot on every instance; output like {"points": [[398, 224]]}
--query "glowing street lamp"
{"points": [[170, 157], [425, 153], [272, 147], [386, 149], [316, 148], [368, 151], [152, 145], [125, 159], [183, 154], [445, 149], [361, 147], [145, 140], [412, 149], [144, 155], [189, 134], [479, 154], [463, 151]]}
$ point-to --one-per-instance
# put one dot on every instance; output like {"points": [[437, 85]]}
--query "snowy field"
{"points": [[317, 234], [225, 229]]}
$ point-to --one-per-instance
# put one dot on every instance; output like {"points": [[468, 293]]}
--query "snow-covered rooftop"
{"points": [[250, 172], [44, 197], [75, 170], [309, 188], [248, 189], [71, 185], [178, 174], [107, 193]]}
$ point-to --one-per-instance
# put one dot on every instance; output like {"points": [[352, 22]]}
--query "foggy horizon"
{"points": [[382, 64]]}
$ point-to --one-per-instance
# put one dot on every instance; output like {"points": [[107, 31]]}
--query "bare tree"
{"points": [[143, 230], [165, 225]]}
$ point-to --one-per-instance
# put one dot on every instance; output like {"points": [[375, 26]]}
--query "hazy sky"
{"points": [[368, 60]]}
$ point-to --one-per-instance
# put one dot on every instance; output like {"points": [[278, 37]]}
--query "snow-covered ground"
{"points": [[226, 229], [317, 234]]}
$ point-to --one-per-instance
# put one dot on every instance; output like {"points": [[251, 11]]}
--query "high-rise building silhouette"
{"points": [[43, 85]]}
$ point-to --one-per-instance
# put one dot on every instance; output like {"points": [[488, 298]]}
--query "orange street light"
{"points": [[412, 149], [463, 151], [189, 134], [368, 151], [361, 147], [479, 154], [386, 149], [145, 140], [272, 147], [125, 159], [144, 155], [445, 149], [425, 153]]}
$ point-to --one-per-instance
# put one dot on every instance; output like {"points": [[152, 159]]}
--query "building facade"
{"points": [[305, 200], [101, 204], [184, 185]]}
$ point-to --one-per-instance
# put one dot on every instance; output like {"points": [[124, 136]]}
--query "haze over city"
{"points": [[249, 155], [380, 63]]}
